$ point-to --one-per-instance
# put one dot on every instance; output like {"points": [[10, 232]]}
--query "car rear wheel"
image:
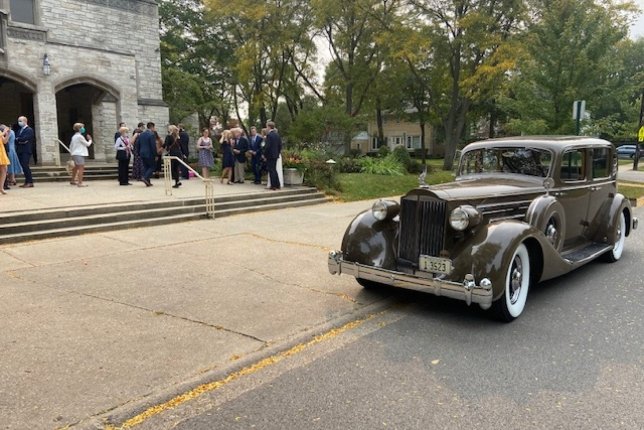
{"points": [[618, 248], [517, 283]]}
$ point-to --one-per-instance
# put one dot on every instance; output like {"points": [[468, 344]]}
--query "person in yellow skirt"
{"points": [[4, 160]]}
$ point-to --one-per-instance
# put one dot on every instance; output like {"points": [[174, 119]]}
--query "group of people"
{"points": [[146, 149], [263, 151], [16, 149]]}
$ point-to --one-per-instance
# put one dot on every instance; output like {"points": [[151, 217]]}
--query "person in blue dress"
{"points": [[227, 157], [14, 167]]}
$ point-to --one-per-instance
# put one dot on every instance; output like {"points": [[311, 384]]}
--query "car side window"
{"points": [[601, 163], [573, 166]]}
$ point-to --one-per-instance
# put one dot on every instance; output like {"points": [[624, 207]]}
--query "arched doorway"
{"points": [[16, 99], [93, 104]]}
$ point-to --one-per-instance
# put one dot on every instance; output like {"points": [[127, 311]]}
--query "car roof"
{"points": [[554, 143]]}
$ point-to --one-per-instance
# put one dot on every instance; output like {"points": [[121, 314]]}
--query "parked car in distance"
{"points": [[520, 211], [628, 151]]}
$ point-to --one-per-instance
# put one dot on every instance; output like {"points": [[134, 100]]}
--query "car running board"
{"points": [[586, 253]]}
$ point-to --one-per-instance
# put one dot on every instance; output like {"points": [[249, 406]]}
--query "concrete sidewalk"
{"points": [[95, 322], [47, 195], [626, 173]]}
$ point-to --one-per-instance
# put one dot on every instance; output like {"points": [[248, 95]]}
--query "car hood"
{"points": [[484, 187]]}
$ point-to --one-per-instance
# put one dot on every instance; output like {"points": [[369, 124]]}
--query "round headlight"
{"points": [[379, 210], [459, 219]]}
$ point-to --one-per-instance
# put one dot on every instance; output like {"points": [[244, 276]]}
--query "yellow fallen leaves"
{"points": [[211, 386]]}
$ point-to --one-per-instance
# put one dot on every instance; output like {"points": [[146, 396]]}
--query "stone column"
{"points": [[104, 125], [47, 124]]}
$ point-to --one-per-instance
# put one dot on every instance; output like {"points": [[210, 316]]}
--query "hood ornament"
{"points": [[421, 178]]}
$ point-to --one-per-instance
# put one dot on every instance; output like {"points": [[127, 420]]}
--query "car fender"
{"points": [[371, 242], [541, 210], [492, 248], [608, 232]]}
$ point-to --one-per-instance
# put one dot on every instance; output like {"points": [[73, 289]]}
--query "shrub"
{"points": [[401, 154], [355, 153], [383, 166], [320, 175], [416, 166], [349, 165], [383, 151], [412, 165]]}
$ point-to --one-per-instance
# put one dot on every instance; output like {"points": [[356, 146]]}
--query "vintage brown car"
{"points": [[520, 211]]}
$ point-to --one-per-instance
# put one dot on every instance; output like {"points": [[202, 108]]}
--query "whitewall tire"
{"points": [[620, 237], [517, 283]]}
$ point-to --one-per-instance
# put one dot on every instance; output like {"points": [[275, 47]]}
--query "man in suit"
{"points": [[255, 149], [240, 149], [184, 142], [272, 151], [25, 141], [148, 152]]}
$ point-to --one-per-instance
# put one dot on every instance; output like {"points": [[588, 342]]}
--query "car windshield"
{"points": [[523, 161]]}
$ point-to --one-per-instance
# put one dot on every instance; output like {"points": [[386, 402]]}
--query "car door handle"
{"points": [[594, 188]]}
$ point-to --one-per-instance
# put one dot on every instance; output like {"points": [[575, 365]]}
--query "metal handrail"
{"points": [[208, 183], [57, 153]]}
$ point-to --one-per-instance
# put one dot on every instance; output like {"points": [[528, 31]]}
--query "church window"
{"points": [[23, 11]]}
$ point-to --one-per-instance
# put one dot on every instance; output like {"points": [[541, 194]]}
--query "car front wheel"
{"points": [[517, 283]]}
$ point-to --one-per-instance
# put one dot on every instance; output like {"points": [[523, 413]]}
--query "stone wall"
{"points": [[112, 45]]}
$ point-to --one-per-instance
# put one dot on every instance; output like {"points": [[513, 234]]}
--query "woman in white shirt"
{"points": [[78, 148]]}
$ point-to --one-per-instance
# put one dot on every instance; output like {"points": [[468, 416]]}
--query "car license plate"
{"points": [[434, 264]]}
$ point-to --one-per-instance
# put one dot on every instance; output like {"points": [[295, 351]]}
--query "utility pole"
{"points": [[578, 112], [640, 135]]}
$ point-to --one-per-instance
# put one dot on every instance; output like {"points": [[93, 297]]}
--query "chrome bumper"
{"points": [[467, 291]]}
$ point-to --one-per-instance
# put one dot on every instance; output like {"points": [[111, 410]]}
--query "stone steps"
{"points": [[19, 226], [93, 172]]}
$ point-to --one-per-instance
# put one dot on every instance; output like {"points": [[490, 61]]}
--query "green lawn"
{"points": [[631, 191], [361, 186]]}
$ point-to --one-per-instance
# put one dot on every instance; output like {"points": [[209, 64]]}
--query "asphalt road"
{"points": [[574, 360]]}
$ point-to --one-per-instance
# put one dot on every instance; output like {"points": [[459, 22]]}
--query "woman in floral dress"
{"points": [[206, 160]]}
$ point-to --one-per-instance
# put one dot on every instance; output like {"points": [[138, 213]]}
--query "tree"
{"points": [[468, 53], [353, 31], [194, 62], [571, 54], [271, 39]]}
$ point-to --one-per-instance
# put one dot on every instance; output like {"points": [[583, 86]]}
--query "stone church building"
{"points": [[90, 61]]}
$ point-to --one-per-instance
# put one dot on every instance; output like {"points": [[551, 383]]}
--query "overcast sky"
{"points": [[637, 30]]}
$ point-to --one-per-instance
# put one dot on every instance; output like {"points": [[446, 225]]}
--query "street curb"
{"points": [[638, 202], [126, 411]]}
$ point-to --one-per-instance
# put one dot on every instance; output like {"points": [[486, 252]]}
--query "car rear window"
{"points": [[573, 166], [601, 163]]}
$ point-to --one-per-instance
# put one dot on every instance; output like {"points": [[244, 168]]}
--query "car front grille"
{"points": [[422, 228]]}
